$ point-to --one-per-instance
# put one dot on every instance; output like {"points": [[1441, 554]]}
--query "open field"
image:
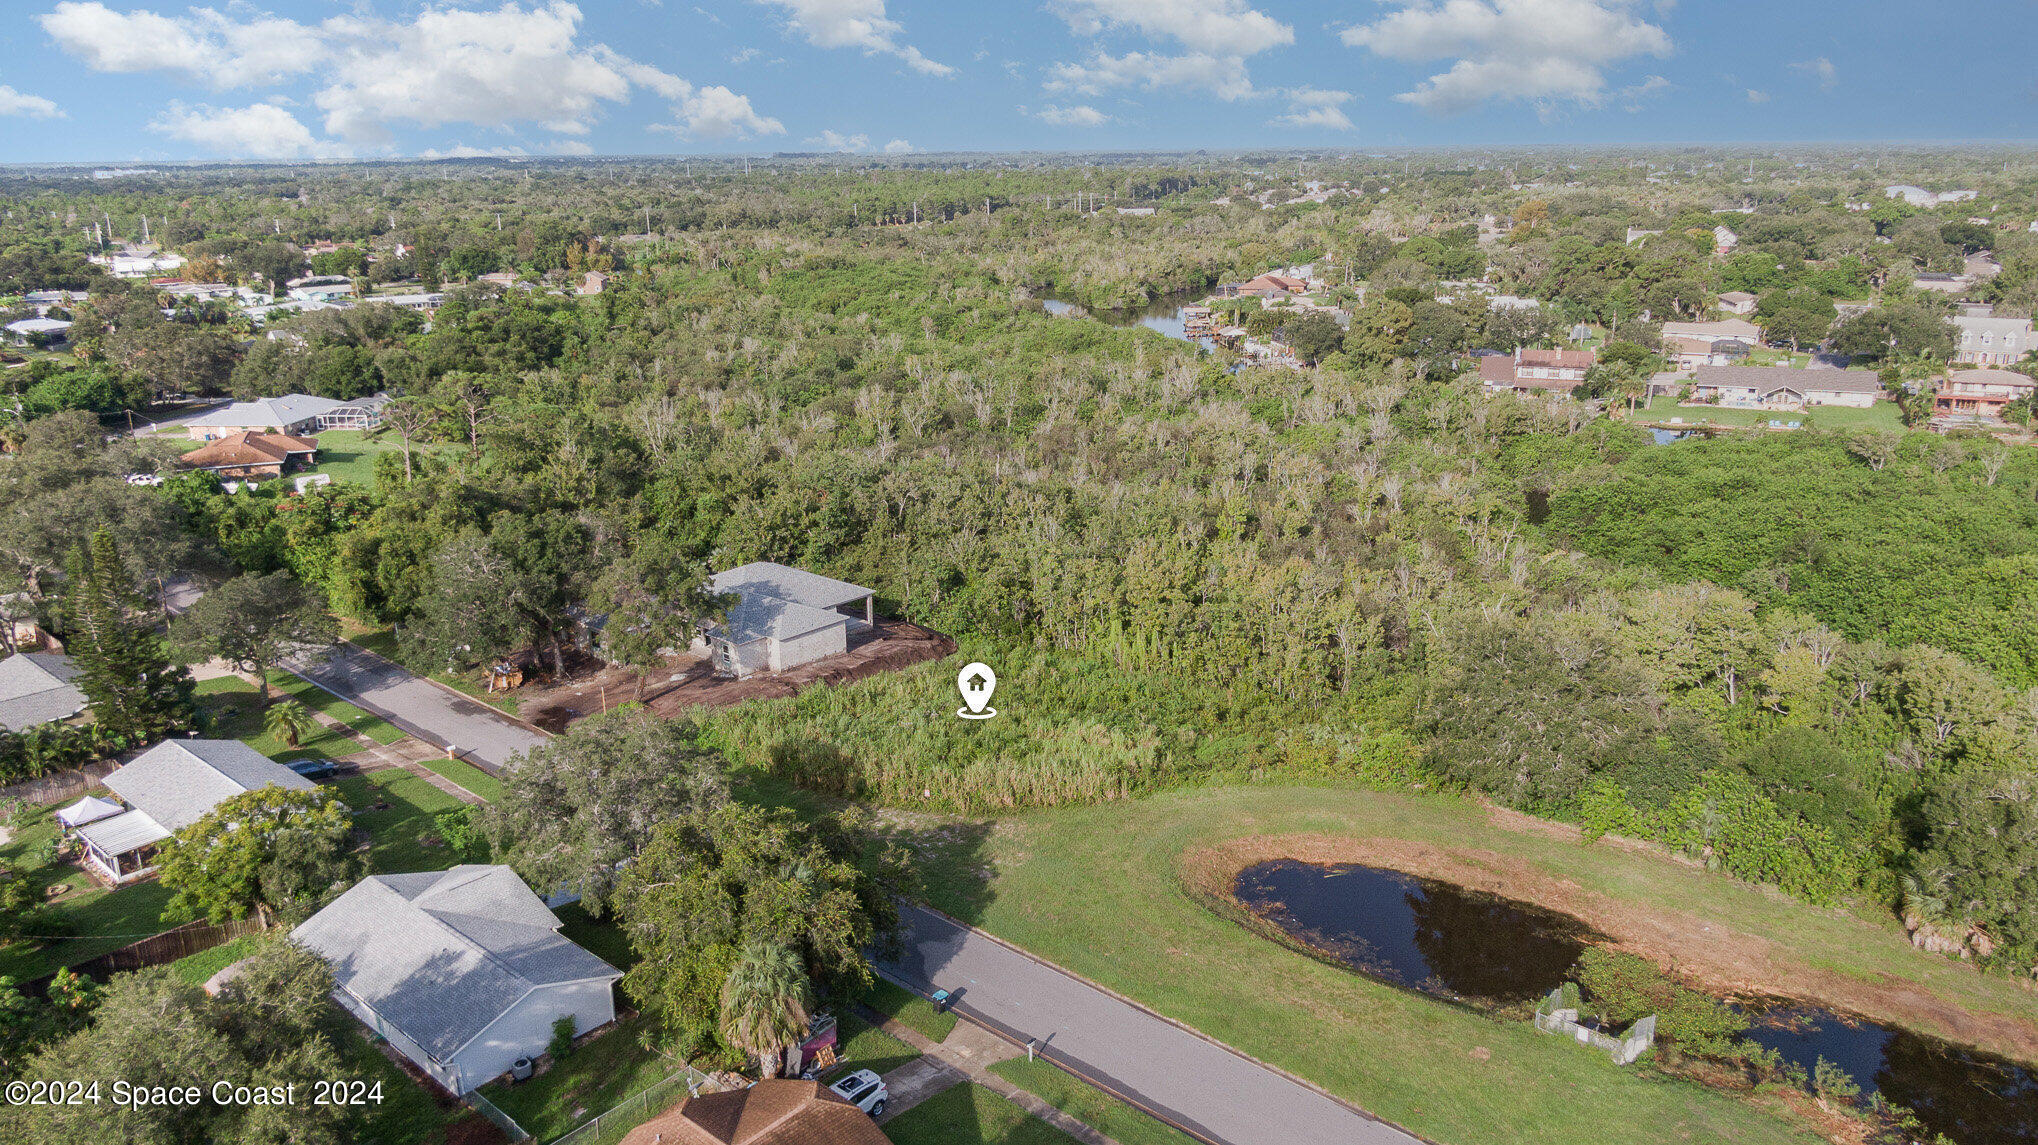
{"points": [[1104, 892]]}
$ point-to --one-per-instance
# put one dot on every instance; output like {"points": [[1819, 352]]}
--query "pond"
{"points": [[1450, 942], [1164, 313]]}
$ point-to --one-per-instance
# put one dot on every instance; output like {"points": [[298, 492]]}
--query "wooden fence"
{"points": [[156, 950]]}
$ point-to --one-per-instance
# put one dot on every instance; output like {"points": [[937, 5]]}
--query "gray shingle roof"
{"points": [[1766, 378], [442, 955], [36, 688], [782, 602], [178, 781], [286, 410]]}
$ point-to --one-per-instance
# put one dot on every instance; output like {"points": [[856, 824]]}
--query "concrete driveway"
{"points": [[437, 715], [1199, 1084]]}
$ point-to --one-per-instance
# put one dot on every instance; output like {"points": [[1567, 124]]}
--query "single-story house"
{"points": [[38, 688], [245, 455], [1734, 328], [1737, 302], [38, 330], [46, 300], [593, 282], [783, 617], [1942, 283], [294, 415], [169, 787], [1981, 393], [1552, 371], [1780, 387], [782, 1111], [463, 971]]}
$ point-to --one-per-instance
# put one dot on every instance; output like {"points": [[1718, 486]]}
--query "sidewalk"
{"points": [[967, 1054]]}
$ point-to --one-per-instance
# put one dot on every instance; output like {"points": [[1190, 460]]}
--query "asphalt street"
{"points": [[436, 715], [1197, 1083]]}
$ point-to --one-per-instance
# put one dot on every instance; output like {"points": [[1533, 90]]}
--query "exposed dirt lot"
{"points": [[1708, 953], [686, 682]]}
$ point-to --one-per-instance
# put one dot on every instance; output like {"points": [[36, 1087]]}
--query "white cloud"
{"points": [[744, 56], [205, 43], [715, 112], [899, 147], [259, 131], [1316, 107], [1757, 96], [1213, 27], [519, 63], [1821, 68], [1634, 96], [1222, 76], [1080, 115], [462, 151], [855, 24], [1543, 51], [836, 141], [32, 106]]}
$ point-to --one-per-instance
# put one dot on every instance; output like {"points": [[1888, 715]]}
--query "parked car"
{"points": [[863, 1089], [314, 769]]}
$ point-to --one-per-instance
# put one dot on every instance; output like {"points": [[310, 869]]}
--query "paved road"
{"points": [[425, 710], [1194, 1082]]}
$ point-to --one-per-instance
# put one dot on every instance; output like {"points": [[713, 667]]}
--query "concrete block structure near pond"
{"points": [[1556, 1015]]}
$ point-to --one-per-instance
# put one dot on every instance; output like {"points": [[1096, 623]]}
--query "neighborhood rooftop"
{"points": [[177, 781], [36, 688], [442, 955]]}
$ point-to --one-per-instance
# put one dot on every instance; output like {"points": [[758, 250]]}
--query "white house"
{"points": [[38, 329], [1737, 302], [169, 787], [462, 971], [783, 617], [1780, 387], [296, 415]]}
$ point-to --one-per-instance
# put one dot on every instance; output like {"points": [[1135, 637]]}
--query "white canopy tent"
{"points": [[90, 809]]}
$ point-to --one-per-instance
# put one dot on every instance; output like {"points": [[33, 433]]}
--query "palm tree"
{"points": [[290, 722], [764, 1003]]}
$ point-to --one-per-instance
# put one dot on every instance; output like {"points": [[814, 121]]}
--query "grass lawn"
{"points": [[1089, 1105], [591, 1081], [601, 936], [394, 846], [235, 712], [1881, 415], [468, 776], [97, 920], [904, 1006], [349, 454], [864, 1046], [199, 967], [1100, 891], [408, 1115], [969, 1114]]}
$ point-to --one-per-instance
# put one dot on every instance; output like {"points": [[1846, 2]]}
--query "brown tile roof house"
{"points": [[1268, 285], [246, 454], [779, 1112], [1555, 371]]}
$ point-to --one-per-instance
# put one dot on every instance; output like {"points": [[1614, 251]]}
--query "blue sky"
{"points": [[108, 80]]}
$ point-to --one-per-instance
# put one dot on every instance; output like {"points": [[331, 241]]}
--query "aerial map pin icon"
{"points": [[976, 682]]}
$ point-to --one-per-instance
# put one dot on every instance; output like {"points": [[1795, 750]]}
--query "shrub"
{"points": [[1622, 988], [561, 1044]]}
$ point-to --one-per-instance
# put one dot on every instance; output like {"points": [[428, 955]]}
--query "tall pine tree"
{"points": [[136, 693]]}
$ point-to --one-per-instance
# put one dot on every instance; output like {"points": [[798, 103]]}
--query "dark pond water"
{"points": [[1446, 941], [1164, 313]]}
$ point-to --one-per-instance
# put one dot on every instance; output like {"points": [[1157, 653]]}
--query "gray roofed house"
{"points": [[295, 414], [1784, 387], [783, 617], [169, 787], [463, 971], [36, 688]]}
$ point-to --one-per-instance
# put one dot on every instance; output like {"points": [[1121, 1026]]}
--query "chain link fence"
{"points": [[641, 1106], [503, 1121]]}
